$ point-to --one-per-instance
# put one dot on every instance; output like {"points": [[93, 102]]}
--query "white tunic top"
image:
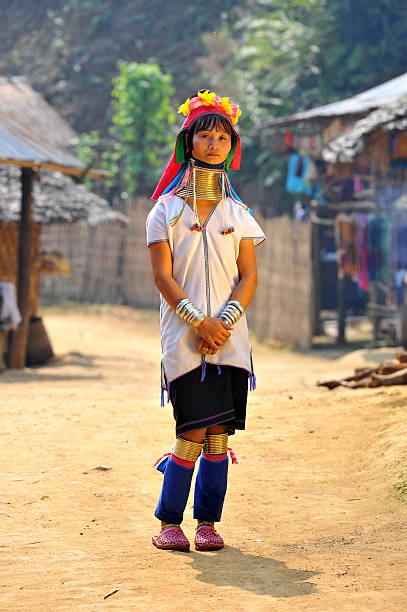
{"points": [[204, 265]]}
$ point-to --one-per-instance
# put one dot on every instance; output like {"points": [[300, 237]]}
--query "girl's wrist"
{"points": [[203, 321], [232, 312], [190, 313]]}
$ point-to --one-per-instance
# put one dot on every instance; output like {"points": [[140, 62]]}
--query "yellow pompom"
{"points": [[184, 108], [207, 97], [226, 105]]}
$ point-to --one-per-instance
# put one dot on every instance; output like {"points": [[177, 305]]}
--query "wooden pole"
{"points": [[19, 338], [376, 311], [342, 283], [403, 326], [316, 279]]}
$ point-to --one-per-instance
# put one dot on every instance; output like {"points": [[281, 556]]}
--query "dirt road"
{"points": [[306, 521]]}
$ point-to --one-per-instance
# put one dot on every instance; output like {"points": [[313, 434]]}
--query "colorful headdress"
{"points": [[209, 98], [203, 103]]}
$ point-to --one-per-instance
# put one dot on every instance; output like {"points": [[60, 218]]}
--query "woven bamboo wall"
{"points": [[139, 289], [95, 254], [103, 271], [71, 240], [9, 236], [281, 308]]}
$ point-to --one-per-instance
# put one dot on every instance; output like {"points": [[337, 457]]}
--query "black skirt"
{"points": [[220, 399]]}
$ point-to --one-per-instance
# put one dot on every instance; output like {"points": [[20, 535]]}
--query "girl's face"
{"points": [[211, 146]]}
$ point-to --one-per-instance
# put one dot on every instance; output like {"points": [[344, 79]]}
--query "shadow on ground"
{"points": [[260, 575], [45, 372]]}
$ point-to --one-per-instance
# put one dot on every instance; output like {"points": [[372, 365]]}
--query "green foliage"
{"points": [[287, 55], [142, 122], [86, 145], [364, 45]]}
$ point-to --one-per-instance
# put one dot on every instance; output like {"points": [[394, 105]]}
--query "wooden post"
{"points": [[20, 335], [316, 279], [376, 298], [341, 292], [403, 326]]}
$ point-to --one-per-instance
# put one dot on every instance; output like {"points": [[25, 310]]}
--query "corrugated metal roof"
{"points": [[356, 105], [20, 102], [32, 133], [345, 147], [21, 143]]}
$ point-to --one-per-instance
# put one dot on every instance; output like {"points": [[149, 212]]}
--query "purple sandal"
{"points": [[171, 538], [207, 538]]}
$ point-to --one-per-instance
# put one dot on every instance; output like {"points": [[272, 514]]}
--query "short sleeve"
{"points": [[253, 231], [156, 224]]}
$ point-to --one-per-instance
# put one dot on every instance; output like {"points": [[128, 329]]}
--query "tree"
{"points": [[363, 47], [142, 123], [282, 56]]}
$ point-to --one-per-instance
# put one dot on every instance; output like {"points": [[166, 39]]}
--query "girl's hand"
{"points": [[203, 348], [214, 332]]}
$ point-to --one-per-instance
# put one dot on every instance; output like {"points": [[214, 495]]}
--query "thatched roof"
{"points": [[56, 199], [357, 105], [344, 148], [31, 132], [21, 103]]}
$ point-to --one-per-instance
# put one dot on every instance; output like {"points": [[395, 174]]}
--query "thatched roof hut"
{"points": [[56, 199], [32, 136], [57, 202], [345, 148]]}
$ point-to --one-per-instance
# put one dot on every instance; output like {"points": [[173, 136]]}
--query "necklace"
{"points": [[205, 183]]}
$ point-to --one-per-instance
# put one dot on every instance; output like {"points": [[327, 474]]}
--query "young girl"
{"points": [[201, 239]]}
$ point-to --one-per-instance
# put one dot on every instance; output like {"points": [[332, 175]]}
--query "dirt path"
{"points": [[305, 520]]}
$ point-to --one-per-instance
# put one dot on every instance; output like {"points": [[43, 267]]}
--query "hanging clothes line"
{"points": [[373, 248]]}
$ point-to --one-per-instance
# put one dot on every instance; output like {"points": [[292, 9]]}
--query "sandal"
{"points": [[207, 538], [171, 538]]}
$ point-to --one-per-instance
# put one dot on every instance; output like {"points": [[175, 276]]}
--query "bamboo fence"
{"points": [[281, 308], [95, 253]]}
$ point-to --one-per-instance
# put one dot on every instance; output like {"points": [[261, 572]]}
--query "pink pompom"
{"points": [[195, 103]]}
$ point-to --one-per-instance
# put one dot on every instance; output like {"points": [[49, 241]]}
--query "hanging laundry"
{"points": [[372, 248], [296, 172]]}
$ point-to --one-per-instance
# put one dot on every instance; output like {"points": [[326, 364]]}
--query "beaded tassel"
{"points": [[196, 227], [252, 379], [228, 230], [203, 374]]}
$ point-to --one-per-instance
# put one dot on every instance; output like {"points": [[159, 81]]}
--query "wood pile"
{"points": [[391, 372]]}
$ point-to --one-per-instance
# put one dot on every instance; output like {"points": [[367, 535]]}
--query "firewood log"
{"points": [[330, 384], [362, 384], [397, 378], [390, 366], [402, 357], [360, 373]]}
